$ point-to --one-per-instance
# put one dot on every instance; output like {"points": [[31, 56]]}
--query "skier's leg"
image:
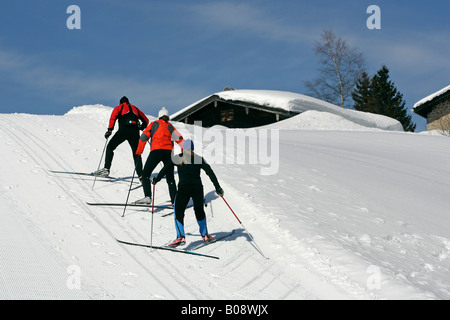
{"points": [[133, 140], [152, 161], [170, 176], [115, 141], [181, 201], [198, 199]]}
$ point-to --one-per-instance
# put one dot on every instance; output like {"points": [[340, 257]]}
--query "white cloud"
{"points": [[63, 84], [246, 18], [409, 51]]}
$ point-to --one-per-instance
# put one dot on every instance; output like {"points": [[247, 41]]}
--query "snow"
{"points": [[352, 212], [295, 102], [431, 96]]}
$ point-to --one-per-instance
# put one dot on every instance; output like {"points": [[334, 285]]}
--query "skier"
{"points": [[131, 120], [162, 134], [190, 185]]}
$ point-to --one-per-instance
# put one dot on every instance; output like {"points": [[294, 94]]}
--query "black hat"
{"points": [[124, 99]]}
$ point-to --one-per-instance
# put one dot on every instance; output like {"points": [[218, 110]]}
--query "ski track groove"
{"points": [[64, 187], [149, 253], [164, 264]]}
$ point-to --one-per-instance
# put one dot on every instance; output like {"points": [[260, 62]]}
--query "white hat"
{"points": [[163, 112]]}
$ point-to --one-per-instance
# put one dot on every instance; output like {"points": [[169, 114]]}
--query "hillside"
{"points": [[342, 211]]}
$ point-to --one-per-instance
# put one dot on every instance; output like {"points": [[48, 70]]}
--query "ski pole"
{"points": [[131, 184], [249, 234], [100, 163], [153, 207]]}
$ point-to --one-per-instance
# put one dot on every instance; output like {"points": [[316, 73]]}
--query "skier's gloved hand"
{"points": [[155, 180], [142, 126], [108, 133], [220, 192]]}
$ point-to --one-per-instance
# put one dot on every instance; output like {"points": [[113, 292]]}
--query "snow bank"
{"points": [[295, 102], [89, 109], [97, 112], [317, 120]]}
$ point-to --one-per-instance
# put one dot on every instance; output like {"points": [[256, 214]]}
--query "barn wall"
{"points": [[439, 117], [232, 116]]}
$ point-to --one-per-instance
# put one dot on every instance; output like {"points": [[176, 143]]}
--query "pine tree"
{"points": [[362, 94], [379, 95]]}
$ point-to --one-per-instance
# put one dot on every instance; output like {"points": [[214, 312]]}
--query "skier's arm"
{"points": [[143, 140], [112, 119], [207, 168], [143, 118], [176, 136]]}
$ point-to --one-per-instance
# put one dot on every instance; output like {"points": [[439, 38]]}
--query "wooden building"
{"points": [[232, 113], [436, 109]]}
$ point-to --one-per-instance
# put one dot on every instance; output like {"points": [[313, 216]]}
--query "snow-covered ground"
{"points": [[348, 211]]}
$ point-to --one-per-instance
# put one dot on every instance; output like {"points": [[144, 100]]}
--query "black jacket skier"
{"points": [[189, 166]]}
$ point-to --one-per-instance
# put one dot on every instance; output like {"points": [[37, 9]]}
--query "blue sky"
{"points": [[173, 53]]}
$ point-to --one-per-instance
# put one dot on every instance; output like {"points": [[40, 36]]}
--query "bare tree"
{"points": [[340, 68]]}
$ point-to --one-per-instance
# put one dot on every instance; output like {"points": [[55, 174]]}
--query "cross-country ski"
{"points": [[166, 248], [216, 239], [90, 175], [112, 204]]}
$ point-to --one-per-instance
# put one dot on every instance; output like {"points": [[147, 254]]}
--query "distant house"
{"points": [[253, 108], [436, 109], [236, 109]]}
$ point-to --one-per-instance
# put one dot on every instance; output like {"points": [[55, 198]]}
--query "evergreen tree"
{"points": [[362, 94], [379, 95]]}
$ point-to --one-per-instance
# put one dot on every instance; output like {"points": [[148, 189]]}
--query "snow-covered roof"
{"points": [[298, 103], [432, 96]]}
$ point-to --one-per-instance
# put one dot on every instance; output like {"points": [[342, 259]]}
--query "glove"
{"points": [[108, 133], [220, 192], [155, 180], [142, 126]]}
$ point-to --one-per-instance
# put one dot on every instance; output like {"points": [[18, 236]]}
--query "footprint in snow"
{"points": [[110, 263], [112, 254], [127, 284], [379, 220], [315, 189], [95, 245], [130, 274]]}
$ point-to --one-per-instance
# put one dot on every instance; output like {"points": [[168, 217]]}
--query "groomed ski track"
{"points": [[41, 143], [316, 220]]}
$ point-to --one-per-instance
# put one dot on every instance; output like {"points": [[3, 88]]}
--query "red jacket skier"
{"points": [[162, 134], [131, 120]]}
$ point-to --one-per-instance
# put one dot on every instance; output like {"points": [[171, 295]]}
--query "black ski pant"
{"points": [[184, 194], [155, 157], [124, 134]]}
